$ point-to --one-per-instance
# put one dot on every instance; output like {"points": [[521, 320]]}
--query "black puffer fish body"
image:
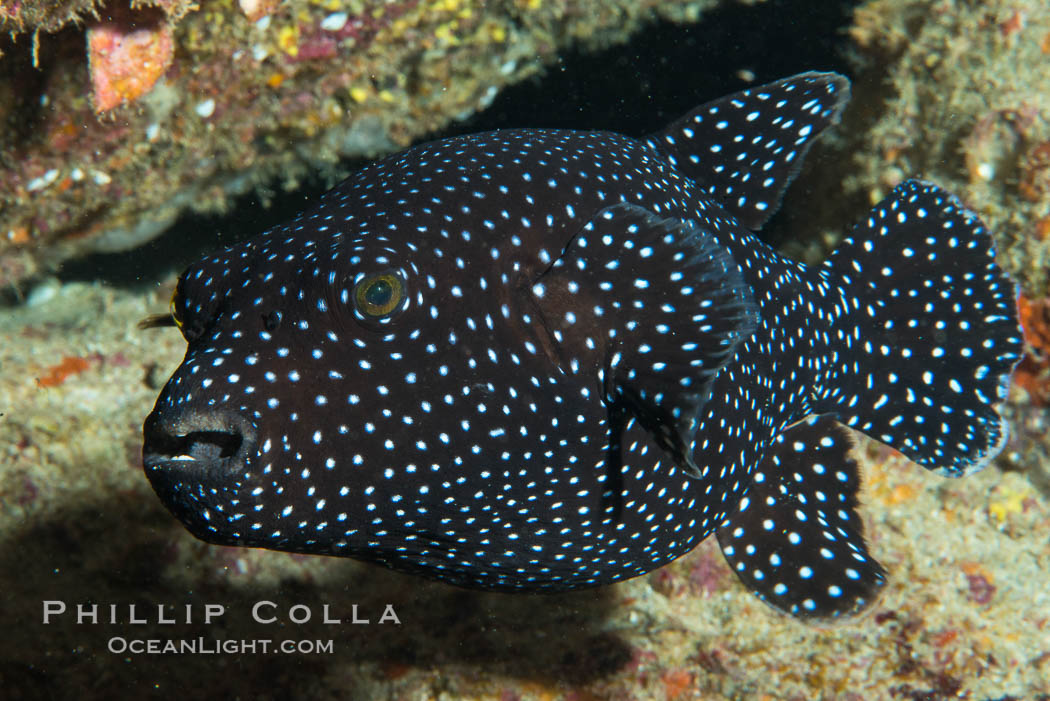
{"points": [[543, 360]]}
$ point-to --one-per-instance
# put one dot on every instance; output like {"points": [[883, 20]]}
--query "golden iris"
{"points": [[378, 295]]}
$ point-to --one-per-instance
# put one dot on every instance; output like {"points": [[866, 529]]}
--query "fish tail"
{"points": [[921, 331]]}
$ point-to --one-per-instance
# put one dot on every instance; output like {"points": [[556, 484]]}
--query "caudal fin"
{"points": [[922, 333]]}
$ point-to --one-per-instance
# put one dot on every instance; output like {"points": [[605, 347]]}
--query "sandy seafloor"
{"points": [[966, 613]]}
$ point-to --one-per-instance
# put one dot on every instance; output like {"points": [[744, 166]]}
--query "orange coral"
{"points": [[57, 374], [1035, 320], [1034, 183], [1042, 228], [1033, 373], [127, 52], [676, 683]]}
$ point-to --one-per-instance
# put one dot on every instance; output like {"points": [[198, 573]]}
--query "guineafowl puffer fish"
{"points": [[540, 360]]}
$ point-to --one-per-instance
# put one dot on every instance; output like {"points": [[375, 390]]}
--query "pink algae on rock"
{"points": [[128, 50]]}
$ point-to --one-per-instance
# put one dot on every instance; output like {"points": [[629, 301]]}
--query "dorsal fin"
{"points": [[743, 150]]}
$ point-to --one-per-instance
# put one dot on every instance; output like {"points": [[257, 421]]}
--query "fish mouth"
{"points": [[195, 447]]}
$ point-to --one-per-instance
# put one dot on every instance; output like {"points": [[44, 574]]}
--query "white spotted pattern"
{"points": [[580, 361]]}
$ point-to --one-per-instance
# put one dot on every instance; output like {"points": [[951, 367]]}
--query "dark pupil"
{"points": [[378, 293]]}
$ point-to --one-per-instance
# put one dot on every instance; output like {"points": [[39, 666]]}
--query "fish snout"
{"points": [[187, 447]]}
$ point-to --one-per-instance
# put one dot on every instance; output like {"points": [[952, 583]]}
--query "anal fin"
{"points": [[796, 541]]}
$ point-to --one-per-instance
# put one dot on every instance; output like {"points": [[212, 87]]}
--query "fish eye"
{"points": [[377, 296]]}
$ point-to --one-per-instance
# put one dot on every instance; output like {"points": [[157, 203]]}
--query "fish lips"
{"points": [[193, 459]]}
